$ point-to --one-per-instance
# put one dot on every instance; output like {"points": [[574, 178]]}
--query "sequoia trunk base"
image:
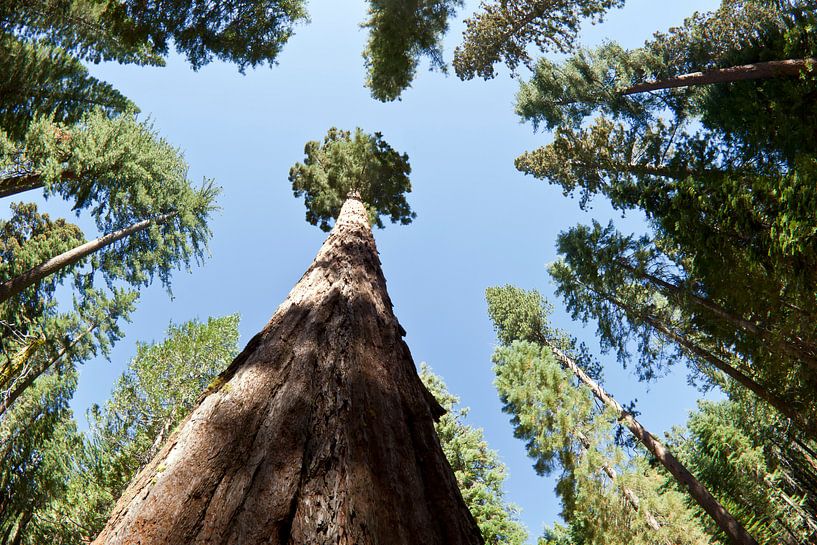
{"points": [[319, 432]]}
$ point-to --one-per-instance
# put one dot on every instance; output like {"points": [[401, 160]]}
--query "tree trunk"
{"points": [[319, 432], [799, 351], [760, 70], [725, 521], [781, 405], [17, 389], [630, 497], [12, 287], [13, 185]]}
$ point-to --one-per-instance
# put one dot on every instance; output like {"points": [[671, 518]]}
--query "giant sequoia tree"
{"points": [[320, 431]]}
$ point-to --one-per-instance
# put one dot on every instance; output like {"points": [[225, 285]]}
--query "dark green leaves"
{"points": [[402, 31], [502, 31], [479, 471], [344, 163]]}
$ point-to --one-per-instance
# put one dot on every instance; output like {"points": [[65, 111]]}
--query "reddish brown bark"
{"points": [[13, 185], [319, 432], [759, 70]]}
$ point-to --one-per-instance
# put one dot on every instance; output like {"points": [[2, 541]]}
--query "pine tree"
{"points": [[37, 336], [36, 437], [158, 388], [400, 34], [319, 431], [135, 187], [480, 473], [532, 367], [628, 287], [362, 164], [753, 461], [726, 277], [503, 30]]}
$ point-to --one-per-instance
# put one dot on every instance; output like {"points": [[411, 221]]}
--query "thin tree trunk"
{"points": [[798, 351], [18, 389], [629, 496], [12, 287], [782, 406], [13, 185], [319, 432], [760, 70], [725, 521]]}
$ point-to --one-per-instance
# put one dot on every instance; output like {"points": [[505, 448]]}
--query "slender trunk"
{"points": [[784, 407], [319, 432], [13, 185], [725, 521], [760, 70], [12, 287], [799, 352], [629, 496], [28, 380]]}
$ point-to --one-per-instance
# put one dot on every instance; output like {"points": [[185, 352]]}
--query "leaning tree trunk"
{"points": [[731, 527], [759, 70], [13, 286], [12, 185], [319, 432], [630, 497]]}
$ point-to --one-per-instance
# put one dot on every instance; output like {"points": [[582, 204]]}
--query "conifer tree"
{"points": [[36, 437], [763, 470], [628, 287], [342, 164], [503, 30], [480, 473], [521, 321], [36, 336], [727, 274], [400, 34], [135, 187], [319, 431], [158, 388]]}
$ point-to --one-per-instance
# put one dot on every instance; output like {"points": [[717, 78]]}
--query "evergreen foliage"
{"points": [[727, 277], [401, 32], [758, 465], [36, 437], [69, 501], [631, 288], [122, 173], [38, 77], [607, 496], [480, 473], [244, 32], [36, 335], [503, 30], [345, 164]]}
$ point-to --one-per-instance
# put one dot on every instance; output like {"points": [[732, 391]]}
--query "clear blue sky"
{"points": [[480, 223]]}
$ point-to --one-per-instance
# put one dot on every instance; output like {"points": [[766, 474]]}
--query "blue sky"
{"points": [[479, 222]]}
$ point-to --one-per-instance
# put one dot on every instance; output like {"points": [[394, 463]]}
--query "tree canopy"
{"points": [[502, 31], [607, 496], [400, 33], [73, 481], [358, 163]]}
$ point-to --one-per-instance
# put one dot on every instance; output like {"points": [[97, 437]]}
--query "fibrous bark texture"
{"points": [[319, 432]]}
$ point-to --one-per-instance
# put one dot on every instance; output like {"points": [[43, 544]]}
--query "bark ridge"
{"points": [[319, 432]]}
